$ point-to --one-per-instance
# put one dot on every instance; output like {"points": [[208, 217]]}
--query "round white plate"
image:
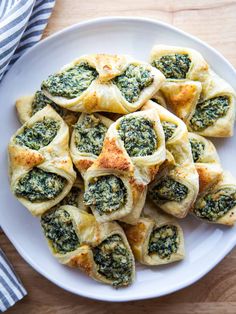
{"points": [[206, 244]]}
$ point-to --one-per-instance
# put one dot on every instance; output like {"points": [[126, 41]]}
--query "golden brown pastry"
{"points": [[218, 204], [156, 239], [100, 250], [101, 82], [115, 185], [41, 170], [27, 106], [214, 114], [87, 139], [179, 63], [181, 97], [176, 186], [206, 161]]}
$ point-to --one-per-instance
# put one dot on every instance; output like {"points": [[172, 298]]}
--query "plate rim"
{"points": [[151, 294]]}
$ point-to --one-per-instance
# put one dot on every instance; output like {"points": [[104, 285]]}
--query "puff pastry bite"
{"points": [[115, 185], [179, 63], [27, 106], [206, 161], [100, 250], [101, 82], [214, 114], [218, 204], [87, 139], [156, 239], [181, 97], [176, 186], [41, 170]]}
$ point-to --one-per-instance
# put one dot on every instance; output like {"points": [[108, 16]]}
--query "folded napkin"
{"points": [[22, 23], [11, 289]]}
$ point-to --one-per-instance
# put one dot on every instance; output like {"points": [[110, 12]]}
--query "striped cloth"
{"points": [[21, 26], [11, 289]]}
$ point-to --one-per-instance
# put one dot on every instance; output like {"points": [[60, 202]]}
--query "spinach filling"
{"points": [[114, 261], [132, 82], [106, 194], [72, 82], [164, 241], [208, 112], [39, 135], [38, 185], [173, 66], [197, 149], [138, 136], [40, 101], [167, 189], [59, 230], [215, 205], [71, 198], [169, 129], [89, 135]]}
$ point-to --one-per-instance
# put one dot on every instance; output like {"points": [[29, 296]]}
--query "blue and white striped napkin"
{"points": [[11, 288], [22, 23]]}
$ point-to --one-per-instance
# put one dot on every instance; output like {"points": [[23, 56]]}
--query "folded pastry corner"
{"points": [[87, 139], [40, 167], [100, 82], [176, 186], [156, 239], [218, 204], [206, 161], [102, 251], [27, 106]]}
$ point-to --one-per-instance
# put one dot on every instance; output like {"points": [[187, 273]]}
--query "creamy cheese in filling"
{"points": [[38, 185], [173, 66], [169, 129], [90, 134], [106, 194], [167, 189], [208, 112], [164, 241], [215, 205], [38, 135], [133, 81], [197, 149], [71, 83], [59, 230], [40, 101], [138, 136], [114, 261]]}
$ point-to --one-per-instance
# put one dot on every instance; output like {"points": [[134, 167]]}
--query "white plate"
{"points": [[206, 244]]}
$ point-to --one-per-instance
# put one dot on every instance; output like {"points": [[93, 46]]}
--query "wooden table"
{"points": [[215, 22]]}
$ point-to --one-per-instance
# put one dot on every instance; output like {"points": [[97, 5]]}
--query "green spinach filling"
{"points": [[89, 135], [39, 135], [106, 194], [215, 205], [114, 261], [167, 189], [40, 101], [197, 149], [208, 112], [164, 241], [71, 198], [58, 229], [38, 185], [169, 129], [132, 82], [71, 83], [173, 66], [138, 136]]}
